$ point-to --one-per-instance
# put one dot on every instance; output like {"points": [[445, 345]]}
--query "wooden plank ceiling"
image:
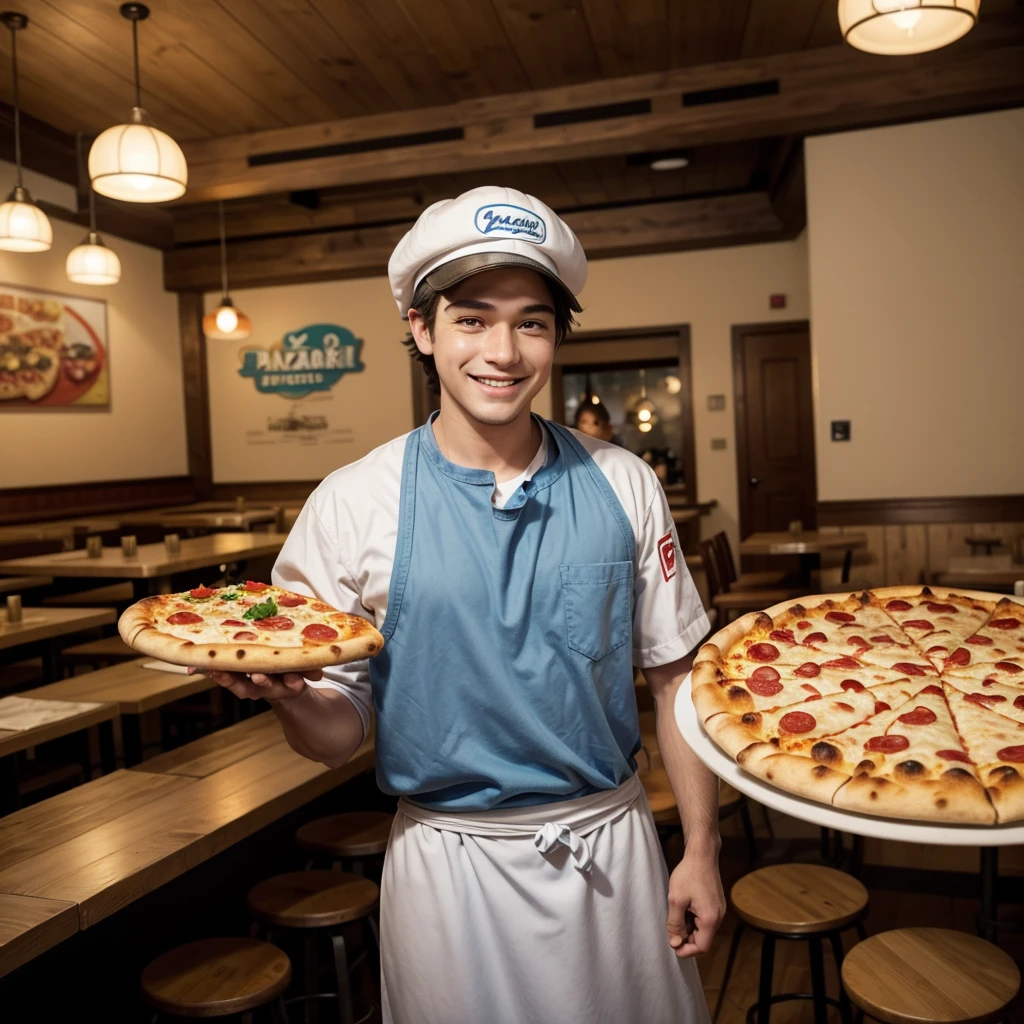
{"points": [[216, 71]]}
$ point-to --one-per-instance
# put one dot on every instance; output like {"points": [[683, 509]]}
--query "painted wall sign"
{"points": [[311, 359]]}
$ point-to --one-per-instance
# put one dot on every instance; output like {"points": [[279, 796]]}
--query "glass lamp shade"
{"points": [[137, 163], [896, 27], [93, 263], [23, 226], [226, 323]]}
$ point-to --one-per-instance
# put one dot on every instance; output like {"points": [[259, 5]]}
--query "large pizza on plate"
{"points": [[251, 627], [906, 702]]}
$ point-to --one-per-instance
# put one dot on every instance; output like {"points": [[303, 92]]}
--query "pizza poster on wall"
{"points": [[53, 350]]}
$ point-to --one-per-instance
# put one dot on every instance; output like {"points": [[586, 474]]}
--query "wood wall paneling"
{"points": [[29, 504], [998, 508], [197, 391]]}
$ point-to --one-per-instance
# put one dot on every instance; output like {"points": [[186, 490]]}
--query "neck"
{"points": [[505, 449]]}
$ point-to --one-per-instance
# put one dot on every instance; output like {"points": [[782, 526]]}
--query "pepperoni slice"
{"points": [[1018, 702], [852, 684], [887, 744], [232, 622], [953, 755], [782, 635], [255, 588], [244, 634], [815, 638], [291, 600], [843, 705], [860, 642], [978, 641], [276, 622], [808, 670], [1005, 623], [881, 706], [961, 656], [882, 639], [985, 700], [843, 662], [937, 649], [810, 688], [908, 668], [919, 624], [941, 609], [763, 652], [1009, 666], [800, 721], [184, 619], [1015, 754], [840, 617], [763, 681], [899, 606], [201, 592], [934, 690], [318, 631], [919, 716], [803, 624]]}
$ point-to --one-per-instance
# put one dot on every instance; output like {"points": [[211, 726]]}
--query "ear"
{"points": [[420, 332]]}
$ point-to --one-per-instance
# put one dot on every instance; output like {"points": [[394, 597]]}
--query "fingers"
{"points": [[699, 934], [677, 924]]}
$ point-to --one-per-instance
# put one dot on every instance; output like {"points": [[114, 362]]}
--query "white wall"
{"points": [[142, 434], [917, 306]]}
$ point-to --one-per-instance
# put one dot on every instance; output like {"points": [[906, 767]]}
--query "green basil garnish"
{"points": [[262, 611]]}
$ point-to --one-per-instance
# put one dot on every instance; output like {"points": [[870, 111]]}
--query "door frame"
{"points": [[645, 344], [739, 401]]}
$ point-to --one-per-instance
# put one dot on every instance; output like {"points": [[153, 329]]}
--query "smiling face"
{"points": [[493, 342]]}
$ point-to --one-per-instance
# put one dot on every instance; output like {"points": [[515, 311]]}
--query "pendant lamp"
{"points": [[136, 162], [92, 262], [23, 226], [895, 27], [644, 414], [225, 323]]}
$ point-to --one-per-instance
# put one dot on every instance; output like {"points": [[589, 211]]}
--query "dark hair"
{"points": [[597, 408], [426, 300]]}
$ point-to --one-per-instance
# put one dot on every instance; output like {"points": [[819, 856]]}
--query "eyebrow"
{"points": [[537, 307]]}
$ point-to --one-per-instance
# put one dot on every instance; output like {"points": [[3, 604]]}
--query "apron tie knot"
{"points": [[553, 834]]}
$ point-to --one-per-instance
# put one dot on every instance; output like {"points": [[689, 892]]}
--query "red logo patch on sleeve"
{"points": [[667, 556]]}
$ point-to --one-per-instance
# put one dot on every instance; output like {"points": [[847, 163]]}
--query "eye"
{"points": [[533, 325], [470, 321]]}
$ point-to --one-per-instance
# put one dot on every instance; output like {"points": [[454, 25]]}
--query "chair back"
{"points": [[726, 563], [709, 555]]}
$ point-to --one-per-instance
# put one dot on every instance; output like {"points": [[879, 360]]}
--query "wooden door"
{"points": [[774, 426]]}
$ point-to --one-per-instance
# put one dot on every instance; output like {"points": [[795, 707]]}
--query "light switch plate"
{"points": [[716, 403], [840, 430], [718, 444]]}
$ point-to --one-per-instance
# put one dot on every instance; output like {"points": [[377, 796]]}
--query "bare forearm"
{"points": [[321, 724]]}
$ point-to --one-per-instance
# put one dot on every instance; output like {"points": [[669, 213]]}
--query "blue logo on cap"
{"points": [[502, 220]]}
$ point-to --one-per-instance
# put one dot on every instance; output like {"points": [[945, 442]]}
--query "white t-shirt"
{"points": [[342, 548]]}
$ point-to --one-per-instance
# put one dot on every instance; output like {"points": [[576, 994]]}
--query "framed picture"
{"points": [[53, 350]]}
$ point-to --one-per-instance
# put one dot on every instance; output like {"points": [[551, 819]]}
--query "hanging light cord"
{"points": [[135, 52], [223, 250], [92, 194], [17, 105]]}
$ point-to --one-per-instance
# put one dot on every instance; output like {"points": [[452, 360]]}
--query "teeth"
{"points": [[496, 383]]}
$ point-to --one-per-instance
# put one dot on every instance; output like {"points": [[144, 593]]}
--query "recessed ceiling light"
{"points": [[670, 163]]}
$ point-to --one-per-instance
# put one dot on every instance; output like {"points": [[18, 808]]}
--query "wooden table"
{"points": [[13, 743], [151, 569], [49, 625], [173, 521], [16, 584], [65, 530], [979, 572], [809, 545], [107, 843], [30, 926], [135, 690]]}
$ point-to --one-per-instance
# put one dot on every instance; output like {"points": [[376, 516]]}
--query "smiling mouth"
{"points": [[498, 382]]}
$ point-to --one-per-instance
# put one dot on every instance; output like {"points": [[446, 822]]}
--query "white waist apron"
{"points": [[554, 913]]}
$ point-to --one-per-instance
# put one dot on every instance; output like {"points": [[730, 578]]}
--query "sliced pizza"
{"points": [[996, 696]]}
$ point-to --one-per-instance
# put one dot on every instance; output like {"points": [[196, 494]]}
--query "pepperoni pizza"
{"points": [[252, 627], [905, 702]]}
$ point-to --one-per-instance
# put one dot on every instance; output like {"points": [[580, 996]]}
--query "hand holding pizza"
{"points": [[263, 686]]}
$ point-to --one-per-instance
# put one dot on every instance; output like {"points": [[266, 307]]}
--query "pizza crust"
{"points": [[959, 799]]}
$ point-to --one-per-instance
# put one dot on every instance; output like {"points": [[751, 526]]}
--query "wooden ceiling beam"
{"points": [[363, 252], [796, 93]]}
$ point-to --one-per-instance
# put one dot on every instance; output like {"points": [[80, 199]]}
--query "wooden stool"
{"points": [[346, 838], [930, 976], [218, 978], [320, 901], [803, 902]]}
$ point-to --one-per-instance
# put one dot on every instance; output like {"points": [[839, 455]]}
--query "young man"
{"points": [[517, 571]]}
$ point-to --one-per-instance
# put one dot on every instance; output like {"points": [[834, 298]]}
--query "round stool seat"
{"points": [[357, 834], [216, 977], [799, 899], [933, 975], [660, 796], [313, 899]]}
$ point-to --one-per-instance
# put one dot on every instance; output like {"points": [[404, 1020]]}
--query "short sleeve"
{"points": [[309, 563], [668, 619]]}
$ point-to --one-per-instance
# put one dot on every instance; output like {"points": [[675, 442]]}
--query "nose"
{"points": [[500, 347]]}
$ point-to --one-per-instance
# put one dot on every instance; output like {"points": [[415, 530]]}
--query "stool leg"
{"points": [[818, 982], [312, 1009], [844, 1000], [278, 1013], [341, 970], [764, 987], [730, 961]]}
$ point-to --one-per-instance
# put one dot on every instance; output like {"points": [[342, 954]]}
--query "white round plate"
{"points": [[822, 814]]}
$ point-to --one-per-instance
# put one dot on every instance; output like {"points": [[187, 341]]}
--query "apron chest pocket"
{"points": [[598, 606]]}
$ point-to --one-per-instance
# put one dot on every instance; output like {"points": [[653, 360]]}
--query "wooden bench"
{"points": [[98, 652], [113, 595]]}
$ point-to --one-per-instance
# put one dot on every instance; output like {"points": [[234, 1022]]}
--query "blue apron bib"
{"points": [[506, 677]]}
